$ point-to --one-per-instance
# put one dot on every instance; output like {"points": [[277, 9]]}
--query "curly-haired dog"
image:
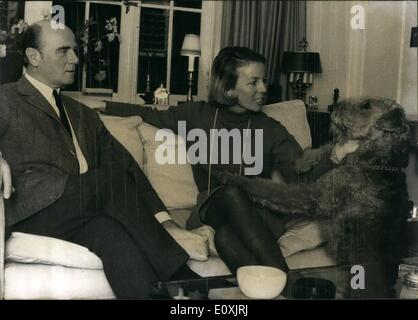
{"points": [[363, 200]]}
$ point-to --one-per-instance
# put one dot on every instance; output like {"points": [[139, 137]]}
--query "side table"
{"points": [[319, 123]]}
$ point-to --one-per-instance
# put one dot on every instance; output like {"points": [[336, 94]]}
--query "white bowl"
{"points": [[261, 282]]}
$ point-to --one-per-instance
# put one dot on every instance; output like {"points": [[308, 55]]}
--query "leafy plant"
{"points": [[10, 39], [93, 43]]}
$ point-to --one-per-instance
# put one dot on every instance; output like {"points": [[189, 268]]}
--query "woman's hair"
{"points": [[224, 74]]}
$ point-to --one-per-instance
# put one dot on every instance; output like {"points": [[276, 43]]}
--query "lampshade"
{"points": [[301, 61], [414, 37], [191, 45]]}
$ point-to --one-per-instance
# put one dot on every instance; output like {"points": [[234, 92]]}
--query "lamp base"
{"points": [[299, 89], [190, 84]]}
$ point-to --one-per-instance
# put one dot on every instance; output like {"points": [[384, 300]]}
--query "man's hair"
{"points": [[31, 39], [224, 73]]}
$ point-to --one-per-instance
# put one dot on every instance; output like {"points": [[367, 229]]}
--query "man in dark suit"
{"points": [[73, 180]]}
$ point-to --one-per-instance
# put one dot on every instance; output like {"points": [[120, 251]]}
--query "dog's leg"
{"points": [[295, 199], [312, 158]]}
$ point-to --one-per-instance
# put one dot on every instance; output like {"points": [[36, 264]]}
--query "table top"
{"points": [[226, 287]]}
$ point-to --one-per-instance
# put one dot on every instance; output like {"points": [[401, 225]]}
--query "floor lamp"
{"points": [[191, 49]]}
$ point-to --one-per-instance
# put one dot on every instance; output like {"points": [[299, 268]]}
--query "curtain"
{"points": [[267, 27]]}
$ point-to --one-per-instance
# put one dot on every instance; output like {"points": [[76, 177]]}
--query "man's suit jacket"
{"points": [[41, 154]]}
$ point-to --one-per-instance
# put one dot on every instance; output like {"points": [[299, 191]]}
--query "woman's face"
{"points": [[250, 88]]}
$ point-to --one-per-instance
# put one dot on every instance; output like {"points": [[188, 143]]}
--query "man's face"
{"points": [[251, 88], [58, 58]]}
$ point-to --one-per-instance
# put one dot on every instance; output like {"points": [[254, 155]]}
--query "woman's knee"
{"points": [[230, 196], [232, 192]]}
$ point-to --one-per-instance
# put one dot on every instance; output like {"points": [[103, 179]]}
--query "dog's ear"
{"points": [[392, 121]]}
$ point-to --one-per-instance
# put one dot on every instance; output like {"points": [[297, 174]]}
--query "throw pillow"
{"points": [[301, 235], [125, 130], [174, 183], [292, 115]]}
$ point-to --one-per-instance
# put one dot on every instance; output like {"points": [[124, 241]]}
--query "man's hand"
{"points": [[5, 178], [196, 246]]}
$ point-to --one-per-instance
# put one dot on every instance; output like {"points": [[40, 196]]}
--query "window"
{"points": [[163, 25], [147, 53], [99, 53]]}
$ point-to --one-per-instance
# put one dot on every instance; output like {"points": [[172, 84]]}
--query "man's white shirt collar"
{"points": [[45, 90]]}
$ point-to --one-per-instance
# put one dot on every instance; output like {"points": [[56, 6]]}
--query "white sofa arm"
{"points": [[2, 245]]}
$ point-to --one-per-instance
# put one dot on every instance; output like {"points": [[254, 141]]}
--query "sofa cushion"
{"points": [[37, 281], [174, 183], [29, 248], [35, 249], [125, 130], [292, 115]]}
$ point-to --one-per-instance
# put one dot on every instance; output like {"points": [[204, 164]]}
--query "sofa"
{"points": [[37, 267]]}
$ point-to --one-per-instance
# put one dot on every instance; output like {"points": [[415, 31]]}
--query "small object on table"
{"points": [[313, 103], [410, 286], [161, 96], [261, 282]]}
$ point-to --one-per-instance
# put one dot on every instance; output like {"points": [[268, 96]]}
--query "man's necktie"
{"points": [[63, 115]]}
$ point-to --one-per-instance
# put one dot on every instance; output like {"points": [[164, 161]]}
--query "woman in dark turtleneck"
{"points": [[244, 233]]}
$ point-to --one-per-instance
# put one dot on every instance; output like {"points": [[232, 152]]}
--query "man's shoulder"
{"points": [[8, 87], [8, 94]]}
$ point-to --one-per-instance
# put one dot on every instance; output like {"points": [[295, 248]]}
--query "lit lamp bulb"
{"points": [[191, 49]]}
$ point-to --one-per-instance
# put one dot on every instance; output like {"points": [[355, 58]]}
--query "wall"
{"points": [[36, 10], [376, 60]]}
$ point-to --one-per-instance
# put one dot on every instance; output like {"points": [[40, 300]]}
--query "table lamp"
{"points": [[301, 65], [191, 49]]}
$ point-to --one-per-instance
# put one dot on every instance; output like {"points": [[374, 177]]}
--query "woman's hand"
{"points": [[196, 245], [5, 178], [340, 151]]}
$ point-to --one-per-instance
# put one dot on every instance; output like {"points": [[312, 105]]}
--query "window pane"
{"points": [[103, 50], [189, 4], [74, 16], [153, 43], [184, 23]]}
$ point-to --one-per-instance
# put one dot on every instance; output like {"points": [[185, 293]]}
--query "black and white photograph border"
{"points": [[331, 87]]}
